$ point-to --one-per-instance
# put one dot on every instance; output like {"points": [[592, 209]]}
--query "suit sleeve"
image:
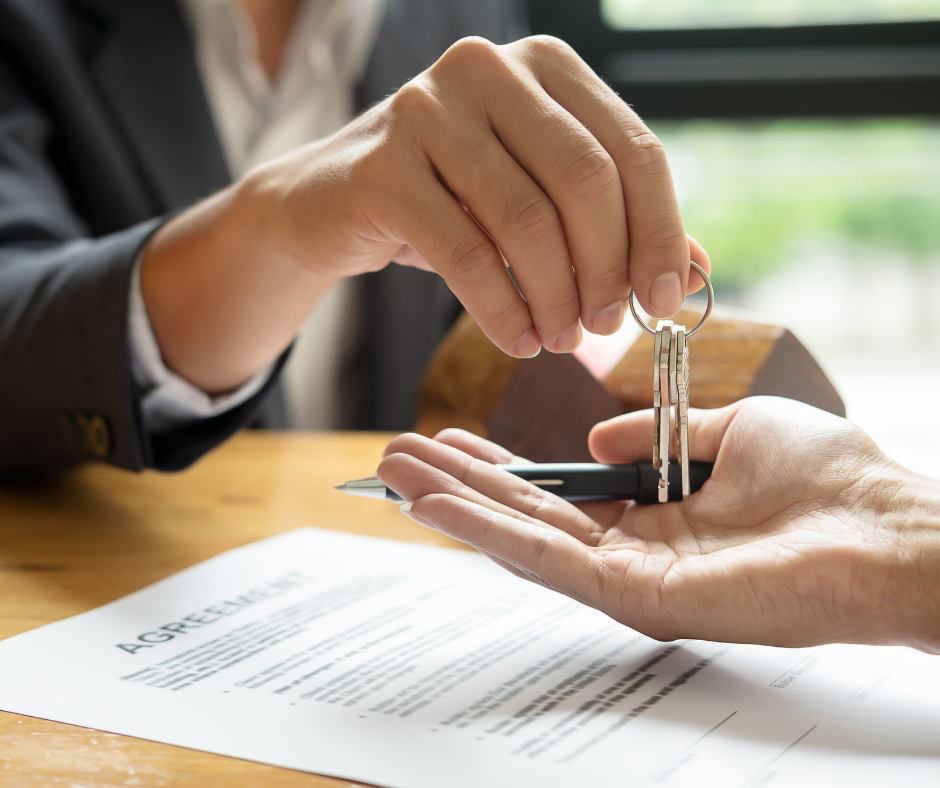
{"points": [[67, 395]]}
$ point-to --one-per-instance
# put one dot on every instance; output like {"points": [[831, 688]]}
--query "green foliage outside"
{"points": [[755, 194], [640, 14]]}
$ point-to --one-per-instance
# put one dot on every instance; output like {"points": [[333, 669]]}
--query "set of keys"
{"points": [[671, 393]]}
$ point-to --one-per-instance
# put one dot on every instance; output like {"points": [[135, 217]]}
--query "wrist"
{"points": [[296, 216], [909, 512], [223, 295], [265, 209]]}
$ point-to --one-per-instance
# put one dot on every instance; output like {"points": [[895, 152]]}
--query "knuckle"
{"points": [[528, 500], [641, 150], [611, 276], [592, 174], [549, 47], [414, 99], [664, 231], [532, 219], [541, 541], [469, 54], [502, 318], [555, 312], [397, 445], [471, 470], [486, 526], [566, 306], [449, 434], [473, 261]]}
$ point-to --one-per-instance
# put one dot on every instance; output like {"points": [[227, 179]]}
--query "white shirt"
{"points": [[257, 121]]}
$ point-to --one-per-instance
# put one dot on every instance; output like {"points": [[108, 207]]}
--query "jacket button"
{"points": [[97, 437], [87, 434]]}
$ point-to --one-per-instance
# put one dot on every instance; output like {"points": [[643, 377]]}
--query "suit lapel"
{"points": [[407, 43], [146, 69]]}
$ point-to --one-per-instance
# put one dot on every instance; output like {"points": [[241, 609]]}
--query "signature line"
{"points": [[790, 747], [693, 744]]}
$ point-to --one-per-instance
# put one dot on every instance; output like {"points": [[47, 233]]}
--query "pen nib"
{"points": [[369, 487]]}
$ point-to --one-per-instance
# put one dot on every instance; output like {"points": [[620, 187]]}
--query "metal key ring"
{"points": [[708, 306]]}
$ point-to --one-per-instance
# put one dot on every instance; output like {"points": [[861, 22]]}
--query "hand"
{"points": [[518, 152], [806, 532]]}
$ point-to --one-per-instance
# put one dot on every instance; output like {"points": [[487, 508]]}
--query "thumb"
{"points": [[629, 438]]}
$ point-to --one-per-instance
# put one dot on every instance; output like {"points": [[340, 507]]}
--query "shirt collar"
{"points": [[341, 30]]}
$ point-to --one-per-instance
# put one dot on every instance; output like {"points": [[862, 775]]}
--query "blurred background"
{"points": [[804, 137]]}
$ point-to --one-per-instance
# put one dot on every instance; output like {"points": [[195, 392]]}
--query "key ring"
{"points": [[708, 306]]}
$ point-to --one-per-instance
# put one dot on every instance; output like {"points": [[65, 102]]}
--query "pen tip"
{"points": [[340, 487]]}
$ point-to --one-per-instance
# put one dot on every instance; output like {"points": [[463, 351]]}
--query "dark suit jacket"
{"points": [[104, 132]]}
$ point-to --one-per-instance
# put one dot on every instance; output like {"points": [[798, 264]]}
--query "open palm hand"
{"points": [[805, 533]]}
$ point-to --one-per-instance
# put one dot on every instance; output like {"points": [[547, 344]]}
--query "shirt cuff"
{"points": [[168, 401]]}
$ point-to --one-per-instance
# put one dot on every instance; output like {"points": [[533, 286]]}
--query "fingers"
{"points": [[413, 478], [698, 255], [580, 199], [435, 226], [524, 223], [408, 256], [522, 154], [629, 438], [405, 509], [478, 447], [552, 558], [658, 246], [415, 466]]}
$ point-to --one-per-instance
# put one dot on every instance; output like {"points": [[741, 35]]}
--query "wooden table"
{"points": [[92, 536]]}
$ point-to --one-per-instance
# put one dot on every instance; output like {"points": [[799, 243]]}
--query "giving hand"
{"points": [[494, 154]]}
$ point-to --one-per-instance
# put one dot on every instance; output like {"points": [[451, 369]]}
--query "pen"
{"points": [[575, 481]]}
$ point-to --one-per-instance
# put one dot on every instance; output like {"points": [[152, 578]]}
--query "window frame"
{"points": [[837, 70]]}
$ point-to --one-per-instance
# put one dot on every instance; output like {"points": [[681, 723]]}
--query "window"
{"points": [[765, 70], [764, 194], [666, 14], [804, 138]]}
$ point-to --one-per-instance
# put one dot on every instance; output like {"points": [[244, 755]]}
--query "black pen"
{"points": [[577, 482]]}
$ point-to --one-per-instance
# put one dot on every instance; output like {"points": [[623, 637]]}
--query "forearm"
{"points": [[224, 295]]}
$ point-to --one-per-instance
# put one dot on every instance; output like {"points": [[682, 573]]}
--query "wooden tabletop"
{"points": [[94, 535]]}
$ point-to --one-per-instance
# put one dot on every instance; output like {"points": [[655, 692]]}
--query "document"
{"points": [[420, 667]]}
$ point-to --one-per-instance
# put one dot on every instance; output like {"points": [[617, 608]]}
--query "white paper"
{"points": [[420, 667]]}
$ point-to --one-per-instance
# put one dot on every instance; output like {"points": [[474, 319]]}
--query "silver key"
{"points": [[679, 387], [662, 400], [671, 387], [657, 396]]}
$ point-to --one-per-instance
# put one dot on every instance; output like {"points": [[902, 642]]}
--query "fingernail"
{"points": [[666, 295], [405, 509], [609, 319], [528, 345], [568, 339]]}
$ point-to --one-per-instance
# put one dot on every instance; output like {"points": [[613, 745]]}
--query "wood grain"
{"points": [[725, 356], [92, 536], [735, 355]]}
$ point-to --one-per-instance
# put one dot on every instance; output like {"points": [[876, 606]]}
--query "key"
{"points": [[657, 396], [662, 401], [671, 388], [679, 388]]}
